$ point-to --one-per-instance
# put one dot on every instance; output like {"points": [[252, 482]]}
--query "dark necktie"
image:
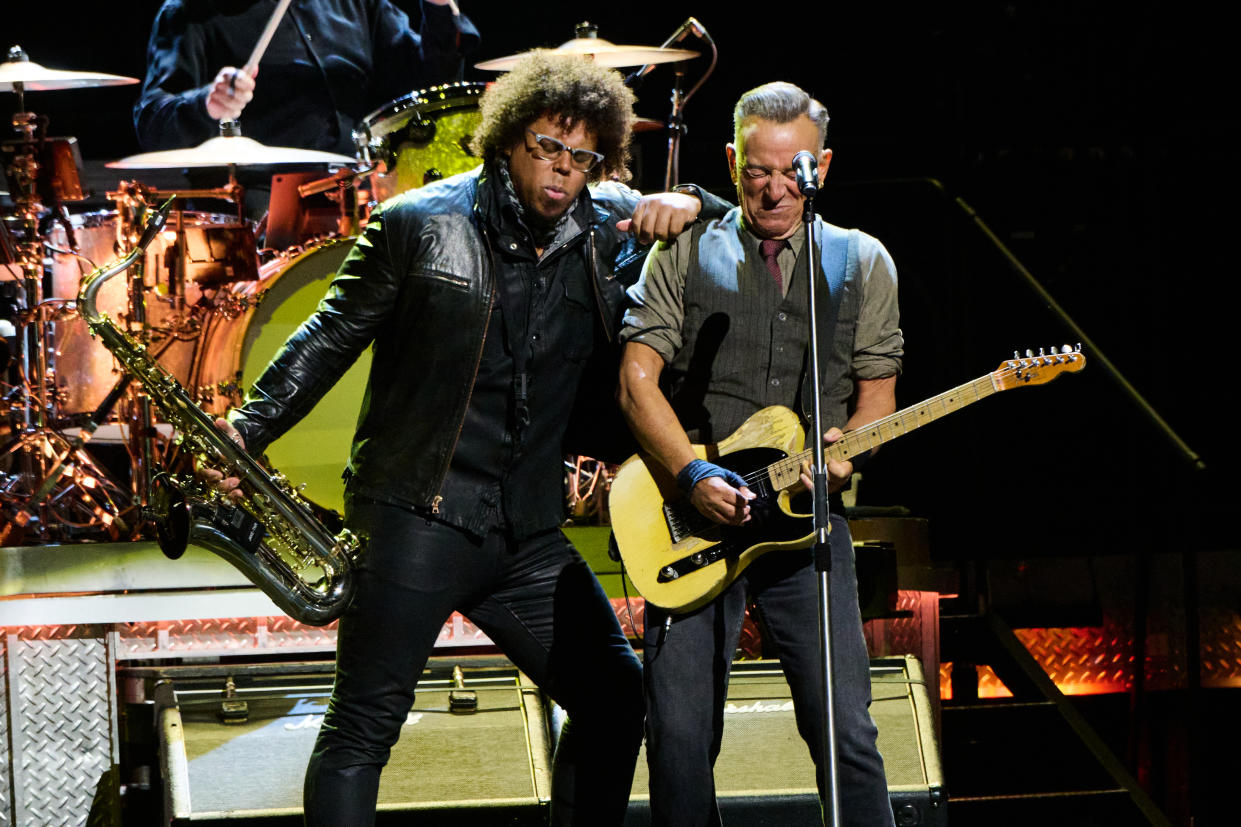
{"points": [[769, 249]]}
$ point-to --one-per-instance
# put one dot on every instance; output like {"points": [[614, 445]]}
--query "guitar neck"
{"points": [[786, 472]]}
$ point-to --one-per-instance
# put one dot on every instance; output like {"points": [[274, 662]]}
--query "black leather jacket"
{"points": [[418, 285]]}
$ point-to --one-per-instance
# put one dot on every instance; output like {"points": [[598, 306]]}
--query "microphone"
{"points": [[689, 26], [807, 169], [154, 224]]}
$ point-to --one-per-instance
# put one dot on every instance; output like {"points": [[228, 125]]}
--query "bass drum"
{"points": [[236, 351]]}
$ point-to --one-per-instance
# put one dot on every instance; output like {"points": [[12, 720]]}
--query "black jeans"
{"points": [[687, 669], [536, 599]]}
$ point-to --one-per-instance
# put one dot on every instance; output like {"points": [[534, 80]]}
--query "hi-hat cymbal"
{"points": [[603, 52], [36, 78], [228, 150], [647, 125]]}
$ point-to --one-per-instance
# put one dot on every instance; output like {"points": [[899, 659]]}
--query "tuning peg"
{"points": [[1029, 353], [1016, 355]]}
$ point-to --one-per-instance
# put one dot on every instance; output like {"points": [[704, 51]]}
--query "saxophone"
{"points": [[271, 536]]}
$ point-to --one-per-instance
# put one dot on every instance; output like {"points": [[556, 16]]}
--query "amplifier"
{"points": [[235, 740], [764, 775]]}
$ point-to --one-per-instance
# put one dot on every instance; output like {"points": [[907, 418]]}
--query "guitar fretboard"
{"points": [[786, 472]]}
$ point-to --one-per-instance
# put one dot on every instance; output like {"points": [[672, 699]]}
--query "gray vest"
{"points": [[746, 346]]}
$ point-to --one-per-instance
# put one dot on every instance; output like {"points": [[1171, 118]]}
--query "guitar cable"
{"points": [[663, 637]]}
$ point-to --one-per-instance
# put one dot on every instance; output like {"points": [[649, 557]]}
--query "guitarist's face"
{"points": [[761, 164]]}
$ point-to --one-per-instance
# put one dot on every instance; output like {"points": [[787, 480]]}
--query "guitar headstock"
{"points": [[1039, 369]]}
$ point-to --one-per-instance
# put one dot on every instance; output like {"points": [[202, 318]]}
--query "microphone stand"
{"points": [[822, 516]]}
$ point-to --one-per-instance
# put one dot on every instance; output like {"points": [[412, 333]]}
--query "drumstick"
{"points": [[268, 33], [264, 40]]}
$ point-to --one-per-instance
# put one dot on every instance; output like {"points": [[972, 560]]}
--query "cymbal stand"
{"points": [[75, 496], [676, 120]]}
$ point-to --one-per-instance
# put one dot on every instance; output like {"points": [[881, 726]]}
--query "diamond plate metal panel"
{"points": [[254, 635], [285, 632], [1083, 660], [6, 781], [1095, 660], [1221, 649], [62, 722]]}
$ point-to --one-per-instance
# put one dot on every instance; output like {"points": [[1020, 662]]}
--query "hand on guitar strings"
{"points": [[838, 471], [719, 494]]}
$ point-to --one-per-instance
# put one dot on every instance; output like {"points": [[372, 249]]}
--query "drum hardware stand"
{"points": [[676, 120], [133, 198], [337, 186], [57, 488]]}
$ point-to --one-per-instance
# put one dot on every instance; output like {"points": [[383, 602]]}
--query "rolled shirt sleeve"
{"points": [[656, 310], [878, 345]]}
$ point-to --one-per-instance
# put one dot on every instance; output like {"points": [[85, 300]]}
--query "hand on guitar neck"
{"points": [[838, 470]]}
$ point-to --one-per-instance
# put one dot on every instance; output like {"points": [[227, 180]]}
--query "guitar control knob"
{"points": [[698, 559], [670, 573]]}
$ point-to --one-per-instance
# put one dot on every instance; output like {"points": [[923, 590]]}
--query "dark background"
{"points": [[1096, 139]]}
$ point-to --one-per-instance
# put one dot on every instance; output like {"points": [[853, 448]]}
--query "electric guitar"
{"points": [[680, 560]]}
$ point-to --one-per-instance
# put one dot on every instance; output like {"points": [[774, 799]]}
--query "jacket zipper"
{"points": [[600, 305], [491, 295]]}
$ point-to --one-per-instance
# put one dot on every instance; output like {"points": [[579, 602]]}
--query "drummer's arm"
{"points": [[171, 110], [405, 59]]}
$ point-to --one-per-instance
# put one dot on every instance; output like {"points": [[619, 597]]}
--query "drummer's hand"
{"points": [[226, 485], [661, 217], [231, 90]]}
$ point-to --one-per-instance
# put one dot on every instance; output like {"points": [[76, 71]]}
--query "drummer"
{"points": [[329, 63]]}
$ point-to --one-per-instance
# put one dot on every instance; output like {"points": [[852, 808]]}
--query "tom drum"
{"points": [[421, 137]]}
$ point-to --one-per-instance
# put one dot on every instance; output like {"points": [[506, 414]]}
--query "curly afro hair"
{"points": [[566, 87]]}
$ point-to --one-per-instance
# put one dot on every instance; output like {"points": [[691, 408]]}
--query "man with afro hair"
{"points": [[483, 296]]}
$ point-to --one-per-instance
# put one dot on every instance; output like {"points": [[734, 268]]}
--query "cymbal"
{"points": [[647, 125], [228, 150], [603, 52], [36, 78]]}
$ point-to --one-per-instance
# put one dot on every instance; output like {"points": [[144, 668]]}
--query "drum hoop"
{"points": [[436, 99], [287, 258]]}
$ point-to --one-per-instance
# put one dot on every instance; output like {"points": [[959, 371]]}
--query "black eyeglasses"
{"points": [[549, 149]]}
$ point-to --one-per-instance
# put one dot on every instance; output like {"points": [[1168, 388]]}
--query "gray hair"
{"points": [[780, 102]]}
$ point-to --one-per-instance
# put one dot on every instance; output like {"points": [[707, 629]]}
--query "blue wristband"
{"points": [[699, 469]]}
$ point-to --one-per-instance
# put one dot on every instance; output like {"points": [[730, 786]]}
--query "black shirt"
{"points": [[507, 468], [330, 63]]}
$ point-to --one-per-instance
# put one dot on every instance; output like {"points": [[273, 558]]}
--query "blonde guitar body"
{"points": [[683, 572]]}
